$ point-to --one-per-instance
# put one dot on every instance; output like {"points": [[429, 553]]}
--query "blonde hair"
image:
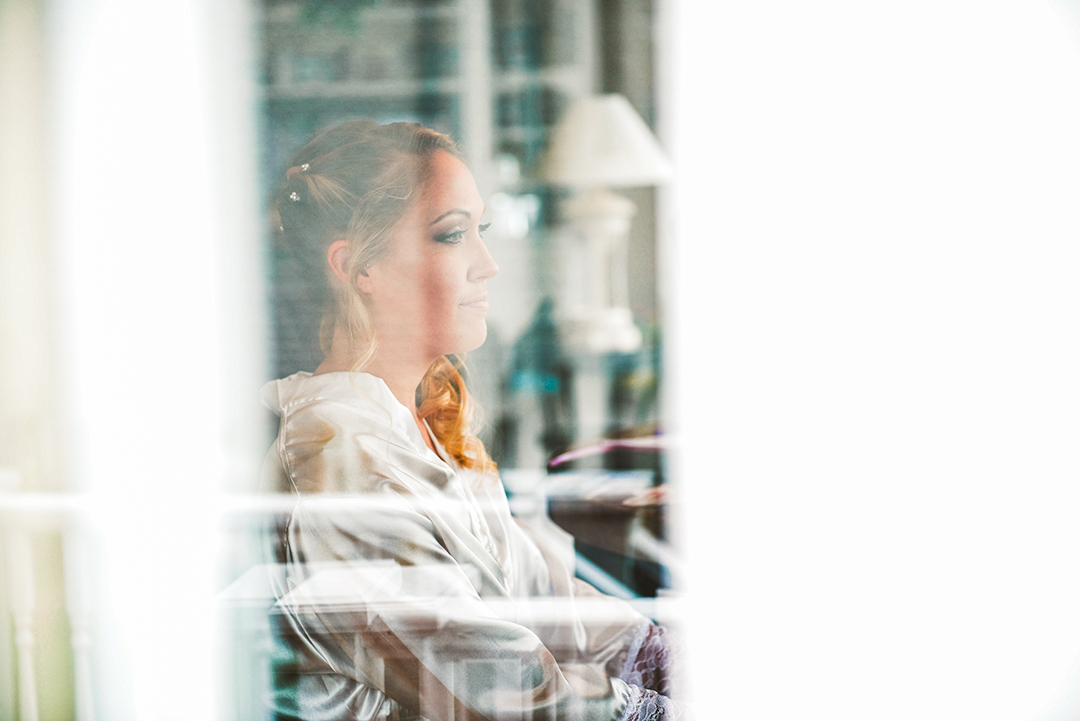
{"points": [[354, 181]]}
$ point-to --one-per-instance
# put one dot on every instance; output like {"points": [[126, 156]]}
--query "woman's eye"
{"points": [[451, 236], [457, 235]]}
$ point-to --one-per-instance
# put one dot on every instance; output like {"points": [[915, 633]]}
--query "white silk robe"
{"points": [[410, 590]]}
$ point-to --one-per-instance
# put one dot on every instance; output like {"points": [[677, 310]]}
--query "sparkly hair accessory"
{"points": [[294, 196], [304, 168]]}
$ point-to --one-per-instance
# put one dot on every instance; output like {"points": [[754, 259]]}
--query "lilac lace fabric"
{"points": [[646, 705], [647, 669], [648, 662]]}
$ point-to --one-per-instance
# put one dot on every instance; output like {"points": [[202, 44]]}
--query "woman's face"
{"points": [[426, 294]]}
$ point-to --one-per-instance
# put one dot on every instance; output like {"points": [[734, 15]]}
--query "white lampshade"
{"points": [[602, 141]]}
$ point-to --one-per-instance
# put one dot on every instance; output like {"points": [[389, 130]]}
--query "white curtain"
{"points": [[877, 356]]}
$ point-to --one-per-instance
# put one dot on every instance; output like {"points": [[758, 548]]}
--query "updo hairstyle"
{"points": [[354, 181]]}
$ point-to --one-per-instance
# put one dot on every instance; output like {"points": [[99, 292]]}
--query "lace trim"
{"points": [[649, 664], [635, 646], [619, 664], [646, 705]]}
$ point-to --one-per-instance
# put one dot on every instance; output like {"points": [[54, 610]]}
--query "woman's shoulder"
{"points": [[345, 433], [312, 405]]}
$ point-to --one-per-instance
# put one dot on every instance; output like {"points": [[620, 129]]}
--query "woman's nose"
{"points": [[484, 266]]}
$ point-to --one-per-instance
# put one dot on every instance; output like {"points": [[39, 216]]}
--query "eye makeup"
{"points": [[456, 234], [451, 237]]}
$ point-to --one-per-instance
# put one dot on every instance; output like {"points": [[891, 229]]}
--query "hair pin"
{"points": [[294, 196], [304, 168]]}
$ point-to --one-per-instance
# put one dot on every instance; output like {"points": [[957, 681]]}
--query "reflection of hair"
{"points": [[354, 181]]}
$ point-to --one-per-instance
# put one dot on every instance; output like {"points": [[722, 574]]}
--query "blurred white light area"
{"points": [[147, 247], [878, 357]]}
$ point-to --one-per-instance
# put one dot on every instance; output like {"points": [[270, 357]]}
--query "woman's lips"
{"points": [[480, 302]]}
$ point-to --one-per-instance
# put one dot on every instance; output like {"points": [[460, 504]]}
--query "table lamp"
{"points": [[601, 142]]}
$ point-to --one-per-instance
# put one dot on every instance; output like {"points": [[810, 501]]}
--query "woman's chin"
{"points": [[473, 339]]}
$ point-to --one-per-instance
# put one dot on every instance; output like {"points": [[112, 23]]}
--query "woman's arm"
{"points": [[379, 600]]}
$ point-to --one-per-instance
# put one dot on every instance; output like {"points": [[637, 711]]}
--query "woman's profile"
{"points": [[409, 590]]}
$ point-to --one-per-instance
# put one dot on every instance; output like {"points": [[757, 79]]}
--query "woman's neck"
{"points": [[401, 372]]}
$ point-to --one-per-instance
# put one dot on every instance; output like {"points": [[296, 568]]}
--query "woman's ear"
{"points": [[337, 256]]}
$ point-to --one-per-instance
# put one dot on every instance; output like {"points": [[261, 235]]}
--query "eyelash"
{"points": [[454, 237]]}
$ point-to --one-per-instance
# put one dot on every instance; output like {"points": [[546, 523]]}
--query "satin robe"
{"points": [[410, 591]]}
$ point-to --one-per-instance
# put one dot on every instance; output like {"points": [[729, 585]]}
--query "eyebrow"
{"points": [[455, 211]]}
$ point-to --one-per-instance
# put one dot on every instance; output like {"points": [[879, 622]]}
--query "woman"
{"points": [[409, 590]]}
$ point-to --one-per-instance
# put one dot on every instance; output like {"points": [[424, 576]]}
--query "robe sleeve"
{"points": [[379, 601]]}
